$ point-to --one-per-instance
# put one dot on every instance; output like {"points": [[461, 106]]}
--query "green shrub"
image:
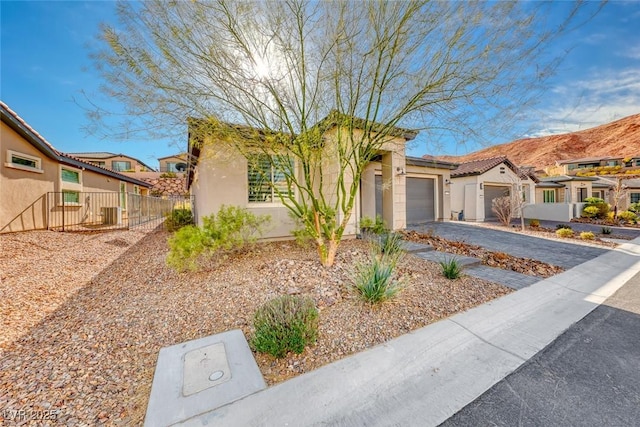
{"points": [[627, 216], [451, 268], [283, 324], [390, 248], [168, 175], [590, 212], [635, 207], [587, 235], [605, 230], [602, 206], [177, 219], [534, 223], [375, 281], [231, 229], [563, 226], [373, 226], [564, 232]]}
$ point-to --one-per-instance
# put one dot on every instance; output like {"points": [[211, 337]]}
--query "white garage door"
{"points": [[490, 193]]}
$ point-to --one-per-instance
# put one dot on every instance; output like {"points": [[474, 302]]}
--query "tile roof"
{"points": [[19, 125], [477, 167]]}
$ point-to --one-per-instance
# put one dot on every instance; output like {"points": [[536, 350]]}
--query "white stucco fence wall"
{"points": [[550, 211]]}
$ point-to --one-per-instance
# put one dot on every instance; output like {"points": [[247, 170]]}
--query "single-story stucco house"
{"points": [[402, 189], [39, 184], [475, 184]]}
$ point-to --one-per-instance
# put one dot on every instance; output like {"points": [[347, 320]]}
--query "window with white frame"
{"points": [[120, 165], [549, 196], [267, 176], [70, 184], [23, 162]]}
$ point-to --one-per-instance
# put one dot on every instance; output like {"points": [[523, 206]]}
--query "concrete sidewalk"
{"points": [[426, 376]]}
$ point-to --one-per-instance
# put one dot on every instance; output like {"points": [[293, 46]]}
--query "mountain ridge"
{"points": [[620, 138]]}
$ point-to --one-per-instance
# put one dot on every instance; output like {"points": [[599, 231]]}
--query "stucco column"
{"points": [[394, 194]]}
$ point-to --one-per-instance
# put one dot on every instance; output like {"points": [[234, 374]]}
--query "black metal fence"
{"points": [[84, 211]]}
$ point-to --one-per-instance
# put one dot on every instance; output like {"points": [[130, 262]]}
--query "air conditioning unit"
{"points": [[111, 215]]}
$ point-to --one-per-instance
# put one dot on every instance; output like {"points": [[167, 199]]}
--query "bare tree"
{"points": [[280, 67]]}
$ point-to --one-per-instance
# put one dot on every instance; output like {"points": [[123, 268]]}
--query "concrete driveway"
{"points": [[566, 255]]}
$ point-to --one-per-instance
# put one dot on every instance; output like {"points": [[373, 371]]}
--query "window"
{"points": [[634, 197], [71, 197], [267, 175], [70, 184], [97, 163], [549, 196], [120, 166], [70, 176], [582, 194], [24, 162]]}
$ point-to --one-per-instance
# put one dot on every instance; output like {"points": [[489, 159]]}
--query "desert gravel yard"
{"points": [[84, 315]]}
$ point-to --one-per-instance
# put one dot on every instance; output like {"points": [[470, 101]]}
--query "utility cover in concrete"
{"points": [[201, 375], [204, 368]]}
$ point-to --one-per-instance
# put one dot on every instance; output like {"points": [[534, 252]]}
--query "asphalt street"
{"points": [[589, 376]]}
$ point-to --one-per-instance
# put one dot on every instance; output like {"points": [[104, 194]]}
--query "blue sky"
{"points": [[45, 65]]}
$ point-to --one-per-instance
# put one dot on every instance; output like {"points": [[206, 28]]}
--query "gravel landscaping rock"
{"points": [[84, 315]]}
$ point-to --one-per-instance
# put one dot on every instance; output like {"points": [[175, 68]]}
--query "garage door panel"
{"points": [[420, 200]]}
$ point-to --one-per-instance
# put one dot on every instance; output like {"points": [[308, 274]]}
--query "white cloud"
{"points": [[632, 52], [601, 98]]}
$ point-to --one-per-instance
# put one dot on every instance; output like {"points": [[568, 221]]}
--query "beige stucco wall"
{"points": [[221, 179], [22, 201], [174, 159], [135, 165], [23, 193]]}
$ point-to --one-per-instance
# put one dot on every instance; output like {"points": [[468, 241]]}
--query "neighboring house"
{"points": [[403, 189], [39, 184], [627, 191], [475, 184], [115, 162], [561, 198], [176, 163], [594, 165]]}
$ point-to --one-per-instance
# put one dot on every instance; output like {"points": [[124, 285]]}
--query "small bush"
{"points": [[231, 229], [451, 268], [561, 226], [602, 206], [373, 226], [503, 208], [590, 212], [635, 207], [177, 219], [283, 324], [168, 175], [534, 223], [587, 235], [605, 230], [564, 232], [627, 216], [375, 282]]}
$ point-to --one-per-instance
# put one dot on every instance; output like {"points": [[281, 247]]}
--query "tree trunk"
{"points": [[327, 252]]}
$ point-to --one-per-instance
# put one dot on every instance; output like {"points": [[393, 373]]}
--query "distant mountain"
{"points": [[619, 138]]}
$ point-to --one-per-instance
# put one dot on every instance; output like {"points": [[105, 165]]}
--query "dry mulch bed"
{"points": [[89, 314], [501, 260]]}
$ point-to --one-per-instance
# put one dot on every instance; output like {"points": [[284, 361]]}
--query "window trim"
{"points": [[9, 163], [631, 194], [130, 168]]}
